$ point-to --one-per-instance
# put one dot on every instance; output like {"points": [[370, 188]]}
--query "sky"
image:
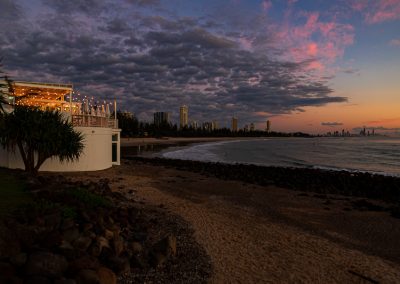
{"points": [[306, 65]]}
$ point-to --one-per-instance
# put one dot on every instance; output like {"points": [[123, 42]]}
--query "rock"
{"points": [[38, 280], [12, 280], [138, 262], [108, 234], [98, 246], [46, 264], [9, 247], [119, 264], [32, 182], [157, 259], [65, 281], [88, 276], [82, 243], [71, 235], [19, 259], [52, 240], [106, 276], [67, 224], [118, 245], [136, 247], [7, 271], [139, 236], [67, 250], [166, 246], [87, 227], [84, 262], [53, 220]]}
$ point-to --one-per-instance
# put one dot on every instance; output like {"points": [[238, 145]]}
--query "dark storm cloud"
{"points": [[155, 63], [144, 2], [9, 10], [71, 6]]}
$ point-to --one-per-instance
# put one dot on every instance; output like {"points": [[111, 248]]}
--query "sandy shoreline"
{"points": [[258, 234], [128, 142]]}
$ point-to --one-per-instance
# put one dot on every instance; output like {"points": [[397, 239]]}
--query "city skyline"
{"points": [[311, 66]]}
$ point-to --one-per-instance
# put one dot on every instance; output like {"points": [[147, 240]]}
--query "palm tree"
{"points": [[40, 135]]}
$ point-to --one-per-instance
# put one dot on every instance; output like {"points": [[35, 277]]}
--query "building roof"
{"points": [[34, 93]]}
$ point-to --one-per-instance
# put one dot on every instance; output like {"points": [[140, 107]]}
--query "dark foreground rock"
{"points": [[82, 232]]}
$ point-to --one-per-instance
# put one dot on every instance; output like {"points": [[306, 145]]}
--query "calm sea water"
{"points": [[369, 154]]}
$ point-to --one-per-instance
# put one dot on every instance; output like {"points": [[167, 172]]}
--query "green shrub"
{"points": [[90, 199]]}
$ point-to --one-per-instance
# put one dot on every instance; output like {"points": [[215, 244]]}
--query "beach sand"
{"points": [[256, 234]]}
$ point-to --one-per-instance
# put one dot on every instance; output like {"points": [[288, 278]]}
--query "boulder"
{"points": [[67, 250], [84, 262], [157, 259], [53, 220], [88, 276], [65, 281], [108, 234], [98, 246], [107, 276], [118, 245], [37, 280], [19, 259], [46, 264], [71, 234], [136, 247], [67, 224], [166, 246], [119, 264], [82, 243], [9, 247], [7, 271]]}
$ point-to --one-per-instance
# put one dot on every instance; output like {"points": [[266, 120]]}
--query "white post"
{"points": [[70, 104], [115, 113]]}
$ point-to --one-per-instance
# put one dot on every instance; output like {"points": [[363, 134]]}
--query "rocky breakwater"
{"points": [[357, 184], [78, 232]]}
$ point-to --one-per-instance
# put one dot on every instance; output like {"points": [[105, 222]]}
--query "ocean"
{"points": [[379, 155]]}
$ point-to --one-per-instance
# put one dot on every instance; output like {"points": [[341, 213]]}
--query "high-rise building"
{"points": [[268, 127], [183, 116], [252, 127], [207, 126], [214, 125], [194, 124], [161, 118], [234, 126]]}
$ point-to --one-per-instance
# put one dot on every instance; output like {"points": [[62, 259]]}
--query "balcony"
{"points": [[85, 120]]}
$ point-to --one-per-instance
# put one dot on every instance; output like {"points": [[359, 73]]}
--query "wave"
{"points": [[327, 153]]}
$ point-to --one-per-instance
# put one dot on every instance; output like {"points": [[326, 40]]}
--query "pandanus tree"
{"points": [[40, 135]]}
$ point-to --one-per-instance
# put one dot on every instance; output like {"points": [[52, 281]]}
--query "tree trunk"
{"points": [[23, 155]]}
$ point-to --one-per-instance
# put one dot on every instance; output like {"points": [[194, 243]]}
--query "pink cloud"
{"points": [[378, 11], [312, 49], [395, 42], [322, 41], [266, 5]]}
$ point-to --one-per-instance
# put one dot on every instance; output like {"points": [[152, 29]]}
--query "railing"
{"points": [[83, 120]]}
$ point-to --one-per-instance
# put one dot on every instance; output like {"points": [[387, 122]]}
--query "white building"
{"points": [[99, 129]]}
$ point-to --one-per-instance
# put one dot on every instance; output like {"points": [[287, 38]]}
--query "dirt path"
{"points": [[261, 235]]}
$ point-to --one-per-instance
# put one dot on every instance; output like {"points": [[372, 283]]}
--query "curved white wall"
{"points": [[97, 154]]}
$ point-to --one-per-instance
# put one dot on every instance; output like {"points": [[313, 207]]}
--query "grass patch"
{"points": [[13, 193], [90, 199]]}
